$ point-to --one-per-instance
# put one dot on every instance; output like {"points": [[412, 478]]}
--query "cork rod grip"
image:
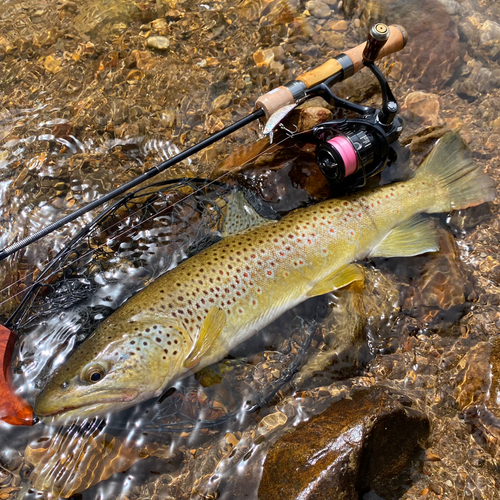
{"points": [[397, 41]]}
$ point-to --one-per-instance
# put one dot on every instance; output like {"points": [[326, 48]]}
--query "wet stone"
{"points": [[442, 284], [318, 9], [333, 40], [478, 394], [312, 116], [158, 42], [490, 30], [356, 446], [423, 107], [97, 16]]}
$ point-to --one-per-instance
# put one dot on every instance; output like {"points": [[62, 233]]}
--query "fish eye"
{"points": [[93, 374]]}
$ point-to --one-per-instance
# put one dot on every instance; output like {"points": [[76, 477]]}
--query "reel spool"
{"points": [[351, 149]]}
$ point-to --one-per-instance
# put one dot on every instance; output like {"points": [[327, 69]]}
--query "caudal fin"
{"points": [[465, 184]]}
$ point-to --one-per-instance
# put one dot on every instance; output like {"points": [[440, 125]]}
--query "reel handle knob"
{"points": [[377, 38]]}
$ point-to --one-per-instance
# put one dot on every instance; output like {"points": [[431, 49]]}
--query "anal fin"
{"points": [[209, 333], [341, 277], [415, 236]]}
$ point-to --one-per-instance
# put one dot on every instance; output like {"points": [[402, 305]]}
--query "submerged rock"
{"points": [[478, 394], [357, 445], [97, 16], [423, 107], [158, 42], [318, 9], [442, 284], [432, 54]]}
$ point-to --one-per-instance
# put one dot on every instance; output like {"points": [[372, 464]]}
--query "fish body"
{"points": [[195, 314]]}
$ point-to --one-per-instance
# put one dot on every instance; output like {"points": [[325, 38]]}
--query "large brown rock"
{"points": [[355, 446]]}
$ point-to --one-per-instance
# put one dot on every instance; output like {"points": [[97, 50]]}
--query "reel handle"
{"points": [[342, 66]]}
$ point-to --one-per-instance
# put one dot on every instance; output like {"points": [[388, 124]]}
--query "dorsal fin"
{"points": [[240, 215]]}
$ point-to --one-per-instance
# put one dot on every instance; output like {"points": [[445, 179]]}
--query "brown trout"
{"points": [[193, 315]]}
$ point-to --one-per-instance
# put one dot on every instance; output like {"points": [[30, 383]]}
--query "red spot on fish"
{"points": [[359, 215], [269, 273], [352, 233], [245, 274], [332, 231]]}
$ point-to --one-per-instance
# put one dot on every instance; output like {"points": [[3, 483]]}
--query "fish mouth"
{"points": [[92, 409]]}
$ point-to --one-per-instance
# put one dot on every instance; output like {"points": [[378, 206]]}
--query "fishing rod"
{"points": [[382, 41]]}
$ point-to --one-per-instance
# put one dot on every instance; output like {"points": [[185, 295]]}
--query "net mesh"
{"points": [[120, 252]]}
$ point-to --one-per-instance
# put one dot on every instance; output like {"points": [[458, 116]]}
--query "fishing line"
{"points": [[124, 232], [379, 123]]}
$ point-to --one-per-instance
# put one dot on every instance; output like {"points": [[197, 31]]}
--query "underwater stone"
{"points": [[333, 40], [312, 116], [318, 9], [490, 31], [423, 106], [97, 16], [158, 42], [355, 446], [336, 25], [263, 57]]}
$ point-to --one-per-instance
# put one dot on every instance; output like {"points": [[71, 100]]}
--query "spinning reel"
{"points": [[351, 150]]}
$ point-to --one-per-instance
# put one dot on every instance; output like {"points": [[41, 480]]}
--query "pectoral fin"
{"points": [[338, 279], [209, 332], [413, 237]]}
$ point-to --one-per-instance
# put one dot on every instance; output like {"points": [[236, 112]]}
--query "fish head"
{"points": [[99, 379]]}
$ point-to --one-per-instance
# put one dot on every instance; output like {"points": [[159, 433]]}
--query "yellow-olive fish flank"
{"points": [[195, 314]]}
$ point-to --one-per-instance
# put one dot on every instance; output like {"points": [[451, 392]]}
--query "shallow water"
{"points": [[87, 104]]}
